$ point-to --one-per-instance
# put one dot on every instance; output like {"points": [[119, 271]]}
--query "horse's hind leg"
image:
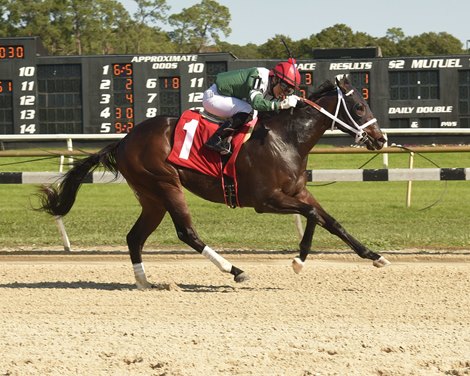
{"points": [[178, 209], [151, 216]]}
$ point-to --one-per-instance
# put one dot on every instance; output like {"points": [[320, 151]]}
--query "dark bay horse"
{"points": [[271, 172]]}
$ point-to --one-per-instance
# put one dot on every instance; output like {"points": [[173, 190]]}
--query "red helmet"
{"points": [[288, 72]]}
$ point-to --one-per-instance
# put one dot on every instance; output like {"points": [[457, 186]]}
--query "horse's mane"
{"points": [[324, 88]]}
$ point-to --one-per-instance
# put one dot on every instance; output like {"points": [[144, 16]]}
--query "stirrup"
{"points": [[226, 147], [222, 146]]}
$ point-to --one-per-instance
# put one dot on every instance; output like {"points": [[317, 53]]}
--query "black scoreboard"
{"points": [[41, 94]]}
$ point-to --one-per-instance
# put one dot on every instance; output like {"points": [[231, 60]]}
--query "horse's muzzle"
{"points": [[375, 144]]}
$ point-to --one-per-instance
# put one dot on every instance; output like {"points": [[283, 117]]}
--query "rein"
{"points": [[358, 130]]}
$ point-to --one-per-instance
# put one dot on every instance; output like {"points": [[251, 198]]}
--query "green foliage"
{"points": [[196, 27], [70, 27], [338, 36], [274, 47], [151, 11], [249, 51]]}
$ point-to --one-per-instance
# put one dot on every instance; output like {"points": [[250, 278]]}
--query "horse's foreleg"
{"points": [[335, 228], [302, 204], [151, 216], [305, 245]]}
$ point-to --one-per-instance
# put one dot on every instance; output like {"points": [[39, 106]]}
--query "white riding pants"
{"points": [[223, 106]]}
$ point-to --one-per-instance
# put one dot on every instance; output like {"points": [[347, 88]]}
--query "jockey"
{"points": [[238, 95]]}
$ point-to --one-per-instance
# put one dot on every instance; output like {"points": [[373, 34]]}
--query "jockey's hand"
{"points": [[288, 102]]}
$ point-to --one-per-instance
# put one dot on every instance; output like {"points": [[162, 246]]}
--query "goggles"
{"points": [[287, 89]]}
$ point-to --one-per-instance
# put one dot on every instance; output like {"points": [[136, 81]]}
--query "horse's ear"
{"points": [[338, 79], [342, 80]]}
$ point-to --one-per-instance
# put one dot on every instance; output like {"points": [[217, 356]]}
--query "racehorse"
{"points": [[271, 171]]}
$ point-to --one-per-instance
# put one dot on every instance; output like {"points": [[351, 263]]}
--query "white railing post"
{"points": [[385, 155], [63, 233], [410, 182], [298, 225], [70, 148]]}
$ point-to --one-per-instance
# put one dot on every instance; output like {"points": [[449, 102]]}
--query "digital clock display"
{"points": [[11, 52]]}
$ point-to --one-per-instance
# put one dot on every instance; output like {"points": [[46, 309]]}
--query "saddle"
{"points": [[191, 132]]}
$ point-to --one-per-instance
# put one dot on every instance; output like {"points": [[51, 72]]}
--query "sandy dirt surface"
{"points": [[80, 314]]}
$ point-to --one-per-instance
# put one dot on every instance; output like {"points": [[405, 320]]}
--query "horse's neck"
{"points": [[301, 130], [310, 131]]}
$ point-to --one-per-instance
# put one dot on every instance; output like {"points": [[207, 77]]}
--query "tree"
{"points": [[199, 26], [104, 26], [97, 25], [35, 18], [143, 39], [151, 11], [275, 49], [305, 47], [395, 35], [4, 15], [433, 44], [336, 36], [248, 51], [143, 35]]}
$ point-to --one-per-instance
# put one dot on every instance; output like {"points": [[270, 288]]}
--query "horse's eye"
{"points": [[360, 109]]}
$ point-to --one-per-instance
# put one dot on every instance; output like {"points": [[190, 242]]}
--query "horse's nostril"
{"points": [[379, 144]]}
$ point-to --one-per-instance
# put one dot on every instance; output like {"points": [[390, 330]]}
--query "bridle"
{"points": [[357, 130]]}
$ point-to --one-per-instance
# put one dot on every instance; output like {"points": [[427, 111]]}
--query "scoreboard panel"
{"points": [[41, 94]]}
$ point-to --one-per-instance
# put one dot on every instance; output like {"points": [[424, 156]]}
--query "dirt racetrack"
{"points": [[79, 314]]}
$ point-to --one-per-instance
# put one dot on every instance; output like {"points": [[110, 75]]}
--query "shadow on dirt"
{"points": [[110, 286], [79, 285]]}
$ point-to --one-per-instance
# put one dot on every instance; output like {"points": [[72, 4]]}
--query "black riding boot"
{"points": [[218, 141]]}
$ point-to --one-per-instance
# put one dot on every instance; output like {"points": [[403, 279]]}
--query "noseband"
{"points": [[358, 130]]}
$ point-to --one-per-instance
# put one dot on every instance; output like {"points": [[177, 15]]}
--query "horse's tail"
{"points": [[59, 199]]}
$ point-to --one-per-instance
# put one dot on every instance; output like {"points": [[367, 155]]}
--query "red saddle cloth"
{"points": [[191, 132]]}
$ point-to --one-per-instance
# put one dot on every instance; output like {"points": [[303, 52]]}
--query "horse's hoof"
{"points": [[381, 262], [242, 277], [144, 288], [297, 265]]}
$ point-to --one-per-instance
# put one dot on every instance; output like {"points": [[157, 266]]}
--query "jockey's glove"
{"points": [[288, 102]]}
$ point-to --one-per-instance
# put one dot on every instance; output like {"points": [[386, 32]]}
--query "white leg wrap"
{"points": [[140, 278], [218, 260], [139, 270]]}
